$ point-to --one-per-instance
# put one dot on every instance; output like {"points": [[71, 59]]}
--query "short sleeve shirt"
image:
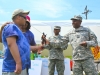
{"points": [[9, 64], [30, 37]]}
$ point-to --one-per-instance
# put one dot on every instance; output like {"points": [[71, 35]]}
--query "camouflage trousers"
{"points": [[87, 66], [59, 64]]}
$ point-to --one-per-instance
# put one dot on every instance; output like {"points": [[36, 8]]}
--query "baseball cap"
{"points": [[78, 17], [28, 18], [19, 11], [57, 27]]}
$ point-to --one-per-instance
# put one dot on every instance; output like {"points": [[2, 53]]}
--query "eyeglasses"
{"points": [[23, 16]]}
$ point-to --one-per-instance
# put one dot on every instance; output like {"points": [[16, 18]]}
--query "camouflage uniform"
{"points": [[82, 56], [56, 57]]}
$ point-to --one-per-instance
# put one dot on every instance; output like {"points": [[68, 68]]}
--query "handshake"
{"points": [[39, 48]]}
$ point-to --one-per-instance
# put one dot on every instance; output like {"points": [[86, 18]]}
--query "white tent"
{"points": [[38, 27]]}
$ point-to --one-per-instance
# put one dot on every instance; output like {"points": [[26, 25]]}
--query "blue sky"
{"points": [[50, 9]]}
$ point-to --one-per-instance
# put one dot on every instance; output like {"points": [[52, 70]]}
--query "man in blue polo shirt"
{"points": [[17, 49]]}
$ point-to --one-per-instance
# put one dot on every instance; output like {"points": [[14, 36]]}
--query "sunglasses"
{"points": [[23, 16]]}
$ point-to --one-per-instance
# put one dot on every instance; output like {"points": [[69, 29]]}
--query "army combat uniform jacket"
{"points": [[56, 47], [76, 37]]}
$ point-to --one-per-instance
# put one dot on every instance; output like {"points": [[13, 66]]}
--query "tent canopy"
{"points": [[38, 27]]}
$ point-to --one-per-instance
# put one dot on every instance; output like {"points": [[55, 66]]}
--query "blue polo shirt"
{"points": [[9, 64], [30, 37]]}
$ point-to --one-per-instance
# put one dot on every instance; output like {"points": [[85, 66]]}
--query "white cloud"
{"points": [[51, 8]]}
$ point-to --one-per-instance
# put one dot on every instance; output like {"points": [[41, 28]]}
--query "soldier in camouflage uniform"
{"points": [[56, 58], [81, 39]]}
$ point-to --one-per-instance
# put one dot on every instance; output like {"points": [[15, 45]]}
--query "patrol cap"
{"points": [[57, 27], [77, 17], [19, 11]]}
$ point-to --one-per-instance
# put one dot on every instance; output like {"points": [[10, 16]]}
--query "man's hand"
{"points": [[18, 68], [43, 39], [40, 48], [35, 49], [5, 24], [11, 41], [2, 29], [83, 44], [47, 42]]}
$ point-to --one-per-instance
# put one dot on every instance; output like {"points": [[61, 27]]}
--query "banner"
{"points": [[40, 67], [36, 66], [1, 66], [45, 67]]}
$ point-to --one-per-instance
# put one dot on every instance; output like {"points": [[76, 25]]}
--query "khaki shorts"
{"points": [[24, 72]]}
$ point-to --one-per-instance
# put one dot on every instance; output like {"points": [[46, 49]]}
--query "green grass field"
{"points": [[70, 57]]}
